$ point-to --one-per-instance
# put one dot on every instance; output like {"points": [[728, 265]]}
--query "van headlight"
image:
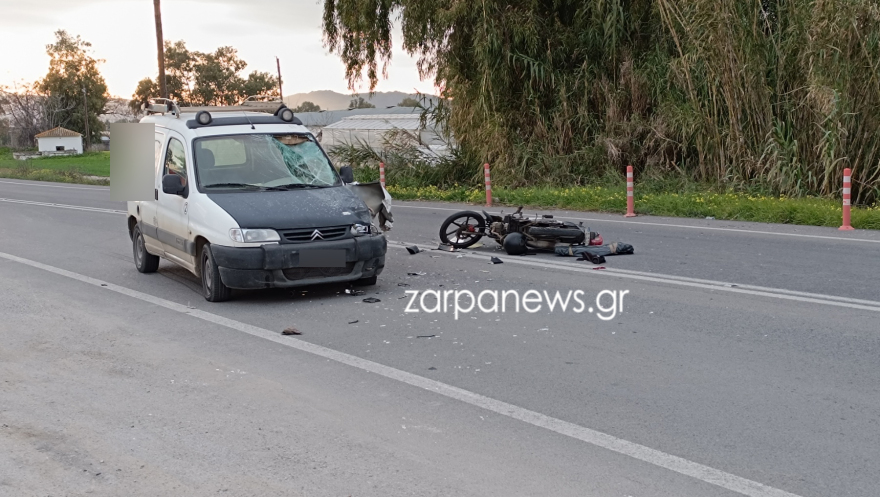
{"points": [[253, 236], [360, 229]]}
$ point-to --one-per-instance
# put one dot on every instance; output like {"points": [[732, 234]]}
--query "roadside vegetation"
{"points": [[680, 197], [66, 169], [778, 96]]}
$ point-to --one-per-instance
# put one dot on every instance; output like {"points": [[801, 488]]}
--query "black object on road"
{"points": [[291, 331], [496, 260], [595, 259], [371, 300], [413, 250]]}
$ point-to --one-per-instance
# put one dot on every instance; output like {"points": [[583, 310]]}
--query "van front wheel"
{"points": [[212, 286]]}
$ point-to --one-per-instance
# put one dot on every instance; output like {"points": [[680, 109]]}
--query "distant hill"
{"points": [[331, 100]]}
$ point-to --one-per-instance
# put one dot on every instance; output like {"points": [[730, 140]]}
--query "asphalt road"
{"points": [[744, 362]]}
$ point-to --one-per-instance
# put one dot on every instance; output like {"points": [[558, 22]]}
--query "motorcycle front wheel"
{"points": [[462, 229]]}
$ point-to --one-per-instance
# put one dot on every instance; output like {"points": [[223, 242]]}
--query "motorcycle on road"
{"points": [[515, 232]]}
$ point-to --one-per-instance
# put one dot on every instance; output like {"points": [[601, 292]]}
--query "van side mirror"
{"points": [[172, 184], [347, 174]]}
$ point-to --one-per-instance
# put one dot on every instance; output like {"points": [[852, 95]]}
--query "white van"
{"points": [[246, 198]]}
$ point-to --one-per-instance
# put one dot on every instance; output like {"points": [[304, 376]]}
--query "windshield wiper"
{"points": [[232, 185], [291, 186]]}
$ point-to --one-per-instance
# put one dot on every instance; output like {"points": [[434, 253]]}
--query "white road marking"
{"points": [[106, 189], [735, 230], [813, 298], [63, 206], [640, 452], [779, 293]]}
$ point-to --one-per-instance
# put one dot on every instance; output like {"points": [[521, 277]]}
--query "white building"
{"points": [[59, 141]]}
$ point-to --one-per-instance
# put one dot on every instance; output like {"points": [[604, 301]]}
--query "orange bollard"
{"points": [[382, 174], [630, 202], [847, 202], [488, 185]]}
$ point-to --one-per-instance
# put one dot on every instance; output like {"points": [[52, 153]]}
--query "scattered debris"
{"points": [[371, 300], [598, 268], [496, 260], [417, 274], [426, 336], [446, 248], [413, 250], [595, 259], [403, 284], [353, 292], [103, 284], [291, 331], [432, 368], [477, 245], [710, 218], [353, 322]]}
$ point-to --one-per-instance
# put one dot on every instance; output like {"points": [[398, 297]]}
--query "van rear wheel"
{"points": [[144, 261], [212, 286]]}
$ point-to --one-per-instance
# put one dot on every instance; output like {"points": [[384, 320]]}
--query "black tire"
{"points": [[455, 226], [543, 232], [212, 286], [144, 261], [367, 281]]}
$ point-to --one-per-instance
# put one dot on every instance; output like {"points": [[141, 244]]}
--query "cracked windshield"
{"points": [[262, 161]]}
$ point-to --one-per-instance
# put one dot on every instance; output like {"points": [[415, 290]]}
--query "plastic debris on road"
{"points": [[291, 331], [496, 260], [413, 250], [371, 300], [416, 274], [353, 292]]}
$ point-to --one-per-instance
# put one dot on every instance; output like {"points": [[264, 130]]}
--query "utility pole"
{"points": [[280, 93], [86, 117], [160, 45]]}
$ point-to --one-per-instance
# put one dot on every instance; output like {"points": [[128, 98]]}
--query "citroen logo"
{"points": [[317, 234]]}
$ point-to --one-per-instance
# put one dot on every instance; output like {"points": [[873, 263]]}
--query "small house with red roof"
{"points": [[59, 141]]}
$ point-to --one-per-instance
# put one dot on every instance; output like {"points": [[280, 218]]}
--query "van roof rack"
{"points": [[253, 103], [162, 106]]}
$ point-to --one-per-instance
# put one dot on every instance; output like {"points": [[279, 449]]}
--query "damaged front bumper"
{"points": [[278, 266]]}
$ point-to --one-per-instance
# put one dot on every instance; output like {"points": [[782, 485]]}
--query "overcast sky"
{"points": [[122, 32]]}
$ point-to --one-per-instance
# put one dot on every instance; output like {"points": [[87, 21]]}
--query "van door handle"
{"points": [[156, 193]]}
